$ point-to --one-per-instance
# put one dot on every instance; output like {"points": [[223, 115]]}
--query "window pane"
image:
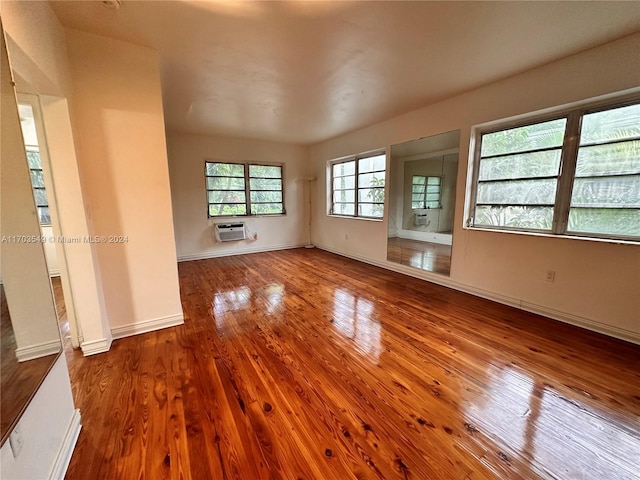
{"points": [[375, 195], [611, 221], [344, 196], [418, 204], [615, 158], [371, 164], [527, 165], [266, 208], [37, 180], [225, 183], [216, 210], [538, 218], [433, 180], [346, 168], [44, 215], [267, 197], [344, 182], [226, 196], [419, 180], [615, 124], [265, 184], [225, 169], [40, 196], [433, 189], [417, 197], [375, 210], [522, 139], [527, 192], [419, 189], [606, 191], [33, 157], [344, 208], [371, 180], [265, 171]]}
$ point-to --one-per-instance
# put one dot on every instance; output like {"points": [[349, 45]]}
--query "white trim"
{"points": [[39, 350], [147, 326], [424, 236], [95, 346], [66, 450], [54, 272], [593, 325], [228, 253]]}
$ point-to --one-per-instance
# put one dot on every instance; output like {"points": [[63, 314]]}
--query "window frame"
{"points": [[247, 188], [425, 194], [567, 169], [356, 188]]}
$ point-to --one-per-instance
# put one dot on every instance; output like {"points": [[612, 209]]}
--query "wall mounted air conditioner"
{"points": [[229, 232], [420, 219]]}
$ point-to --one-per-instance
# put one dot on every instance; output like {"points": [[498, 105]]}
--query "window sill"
{"points": [[350, 217], [617, 241], [243, 217]]}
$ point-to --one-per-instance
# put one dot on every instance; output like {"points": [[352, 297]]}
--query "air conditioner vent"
{"points": [[229, 232]]}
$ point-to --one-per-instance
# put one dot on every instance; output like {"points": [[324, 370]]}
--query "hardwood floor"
{"points": [[432, 257], [301, 364]]}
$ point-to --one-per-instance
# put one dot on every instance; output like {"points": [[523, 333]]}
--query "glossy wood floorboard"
{"points": [[301, 364]]}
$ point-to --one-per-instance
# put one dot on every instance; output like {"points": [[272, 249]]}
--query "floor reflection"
{"points": [[354, 317], [432, 257], [553, 428], [267, 298]]}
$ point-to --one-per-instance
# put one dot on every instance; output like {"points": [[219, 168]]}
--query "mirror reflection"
{"points": [[422, 195], [30, 338]]}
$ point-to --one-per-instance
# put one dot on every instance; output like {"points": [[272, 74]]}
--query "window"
{"points": [[239, 189], [37, 182], [425, 192], [358, 186], [576, 174]]}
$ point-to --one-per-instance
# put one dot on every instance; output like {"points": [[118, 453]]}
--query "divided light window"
{"points": [[244, 189], [578, 174], [358, 186], [37, 183], [425, 191]]}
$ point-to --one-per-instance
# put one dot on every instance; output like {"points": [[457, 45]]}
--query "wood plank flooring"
{"points": [[301, 364]]}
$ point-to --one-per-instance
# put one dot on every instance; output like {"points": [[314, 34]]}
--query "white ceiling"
{"points": [[306, 71]]}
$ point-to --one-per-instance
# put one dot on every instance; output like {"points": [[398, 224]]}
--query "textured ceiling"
{"points": [[303, 72]]}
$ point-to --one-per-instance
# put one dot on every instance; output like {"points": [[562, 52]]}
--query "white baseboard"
{"points": [[147, 326], [66, 449], [36, 351], [95, 346], [433, 237], [243, 251], [564, 317]]}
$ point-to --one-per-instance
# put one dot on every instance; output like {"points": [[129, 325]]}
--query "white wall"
{"points": [[49, 429], [193, 230], [596, 283], [119, 130]]}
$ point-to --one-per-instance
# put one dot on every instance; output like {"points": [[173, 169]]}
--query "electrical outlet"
{"points": [[551, 276], [16, 441]]}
